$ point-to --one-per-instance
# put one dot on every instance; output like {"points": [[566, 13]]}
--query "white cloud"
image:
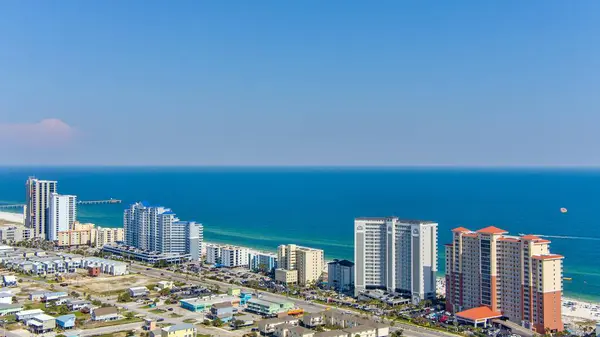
{"points": [[47, 132]]}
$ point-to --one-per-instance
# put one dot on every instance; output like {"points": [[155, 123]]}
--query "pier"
{"points": [[82, 202]]}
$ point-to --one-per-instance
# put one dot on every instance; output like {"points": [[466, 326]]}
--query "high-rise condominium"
{"points": [[157, 229], [515, 276], [309, 262], [37, 205], [397, 255], [62, 215]]}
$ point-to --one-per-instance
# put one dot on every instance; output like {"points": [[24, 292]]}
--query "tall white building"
{"points": [[62, 215], [227, 256], [38, 204], [397, 255], [157, 229]]}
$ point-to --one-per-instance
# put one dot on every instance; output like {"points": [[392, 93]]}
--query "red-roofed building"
{"points": [[478, 316], [460, 229], [490, 274], [492, 230]]}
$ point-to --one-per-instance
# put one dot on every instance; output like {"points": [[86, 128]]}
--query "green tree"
{"points": [[62, 310], [217, 322], [129, 315], [124, 297]]}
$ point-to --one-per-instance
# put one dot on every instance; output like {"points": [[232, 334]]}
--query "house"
{"points": [[41, 323], [66, 321], [283, 330], [149, 324], [6, 298], [300, 332], [313, 320], [9, 281], [53, 296], [179, 330], [222, 311], [138, 291], [37, 295], [105, 314], [332, 333], [27, 314], [76, 305], [267, 326], [362, 331], [9, 309]]}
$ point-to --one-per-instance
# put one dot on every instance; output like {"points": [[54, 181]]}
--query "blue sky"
{"points": [[469, 83]]}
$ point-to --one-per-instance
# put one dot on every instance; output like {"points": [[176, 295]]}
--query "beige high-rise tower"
{"points": [[309, 262], [515, 276]]}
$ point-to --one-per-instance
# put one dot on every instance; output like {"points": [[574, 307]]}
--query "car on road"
{"points": [[160, 319], [170, 309]]}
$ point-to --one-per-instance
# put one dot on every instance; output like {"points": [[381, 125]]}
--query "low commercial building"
{"points": [[179, 330], [222, 311], [269, 308], [202, 304], [268, 326], [138, 291], [41, 323], [9, 309], [105, 314], [165, 285], [25, 315], [66, 321], [150, 257], [480, 316], [15, 233], [286, 276]]}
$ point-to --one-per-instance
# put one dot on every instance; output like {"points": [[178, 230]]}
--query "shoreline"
{"points": [[576, 310]]}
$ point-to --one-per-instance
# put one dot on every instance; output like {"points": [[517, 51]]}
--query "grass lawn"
{"points": [[158, 311], [112, 323], [175, 315], [189, 320]]}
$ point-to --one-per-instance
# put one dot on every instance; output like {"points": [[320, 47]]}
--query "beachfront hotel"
{"points": [[37, 204], [308, 262], [62, 214], [491, 274], [397, 255], [157, 229]]}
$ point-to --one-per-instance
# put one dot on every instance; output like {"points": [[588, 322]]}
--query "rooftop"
{"points": [[43, 317], [301, 330], [547, 257], [177, 327], [478, 313], [359, 329], [332, 333], [492, 230], [460, 229], [222, 305], [344, 263], [105, 311]]}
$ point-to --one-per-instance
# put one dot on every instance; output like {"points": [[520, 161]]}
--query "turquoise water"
{"points": [[265, 207]]}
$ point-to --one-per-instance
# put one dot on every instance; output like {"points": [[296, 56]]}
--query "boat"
{"points": [[568, 278], [563, 210]]}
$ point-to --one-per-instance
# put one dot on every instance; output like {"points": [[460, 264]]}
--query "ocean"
{"points": [[265, 207]]}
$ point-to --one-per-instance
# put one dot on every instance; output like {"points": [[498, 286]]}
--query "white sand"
{"points": [[12, 217]]}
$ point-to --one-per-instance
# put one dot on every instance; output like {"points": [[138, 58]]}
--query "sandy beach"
{"points": [[16, 218]]}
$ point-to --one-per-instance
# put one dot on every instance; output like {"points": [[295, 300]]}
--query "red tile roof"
{"points": [[509, 239], [530, 237], [460, 229], [547, 257], [492, 230], [478, 313], [470, 235], [542, 241]]}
